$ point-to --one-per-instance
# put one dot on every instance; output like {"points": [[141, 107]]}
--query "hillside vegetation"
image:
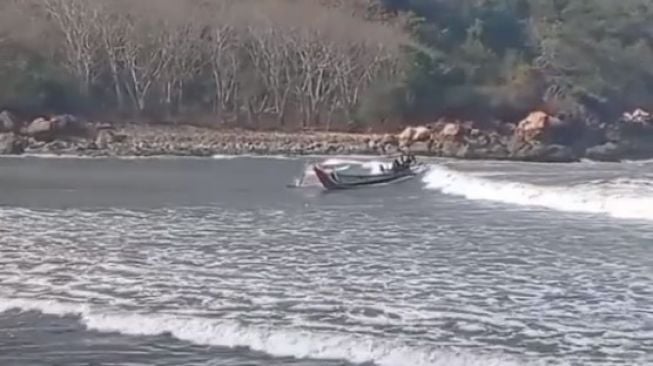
{"points": [[326, 64]]}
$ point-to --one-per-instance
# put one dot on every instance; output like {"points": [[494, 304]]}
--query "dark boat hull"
{"points": [[338, 181]]}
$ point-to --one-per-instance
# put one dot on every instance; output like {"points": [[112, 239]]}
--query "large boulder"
{"points": [[410, 135], [452, 132], [537, 126], [41, 129], [11, 144], [406, 134], [58, 127], [8, 122], [421, 134]]}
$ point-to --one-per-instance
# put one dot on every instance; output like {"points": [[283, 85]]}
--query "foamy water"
{"points": [[620, 198], [397, 276], [293, 342]]}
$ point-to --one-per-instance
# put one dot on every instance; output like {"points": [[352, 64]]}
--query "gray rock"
{"points": [[11, 144], [8, 122], [609, 152], [41, 129]]}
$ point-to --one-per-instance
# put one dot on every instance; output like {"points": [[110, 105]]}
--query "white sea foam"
{"points": [[620, 198], [639, 162], [289, 342], [224, 157]]}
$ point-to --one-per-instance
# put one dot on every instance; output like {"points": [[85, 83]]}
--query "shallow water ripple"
{"points": [[444, 284]]}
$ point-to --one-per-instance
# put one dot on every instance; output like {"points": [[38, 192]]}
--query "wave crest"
{"points": [[621, 198], [288, 342]]}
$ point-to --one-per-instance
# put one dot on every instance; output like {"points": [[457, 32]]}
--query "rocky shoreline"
{"points": [[538, 138]]}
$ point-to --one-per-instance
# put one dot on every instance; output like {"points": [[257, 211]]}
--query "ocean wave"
{"points": [[288, 342], [620, 198]]}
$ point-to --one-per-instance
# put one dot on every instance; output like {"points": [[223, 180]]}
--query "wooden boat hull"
{"points": [[337, 181]]}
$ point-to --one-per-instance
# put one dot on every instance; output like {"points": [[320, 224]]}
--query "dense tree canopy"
{"points": [[502, 56], [327, 63]]}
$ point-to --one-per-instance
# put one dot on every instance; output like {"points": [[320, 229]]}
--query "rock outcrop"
{"points": [[57, 127], [538, 137], [40, 129], [630, 137], [537, 126]]}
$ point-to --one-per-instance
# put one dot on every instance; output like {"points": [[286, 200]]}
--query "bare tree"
{"points": [[222, 59], [147, 53], [184, 65], [357, 68], [112, 29], [270, 52], [315, 61], [331, 56], [76, 21], [307, 61]]}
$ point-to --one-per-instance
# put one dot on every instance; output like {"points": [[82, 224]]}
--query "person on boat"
{"points": [[411, 159], [396, 165], [407, 160], [399, 164]]}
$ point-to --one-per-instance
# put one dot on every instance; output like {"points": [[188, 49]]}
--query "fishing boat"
{"points": [[399, 171]]}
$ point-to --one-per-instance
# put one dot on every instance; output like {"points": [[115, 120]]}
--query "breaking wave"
{"points": [[289, 342], [619, 198]]}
